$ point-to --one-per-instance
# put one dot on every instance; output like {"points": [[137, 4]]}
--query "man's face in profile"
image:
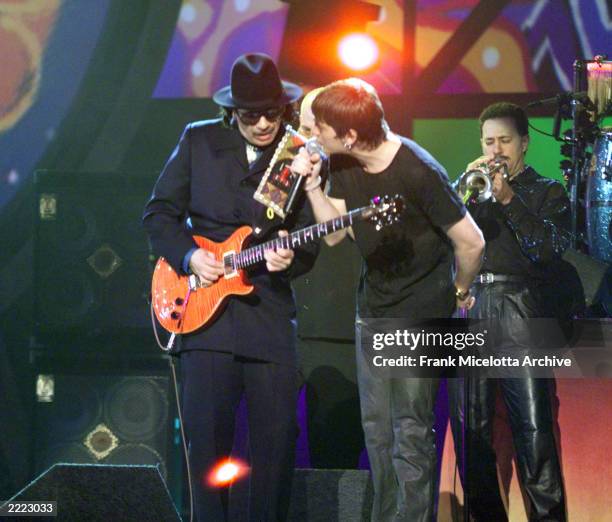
{"points": [[306, 121]]}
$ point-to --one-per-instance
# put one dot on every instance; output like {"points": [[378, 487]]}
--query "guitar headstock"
{"points": [[386, 210]]}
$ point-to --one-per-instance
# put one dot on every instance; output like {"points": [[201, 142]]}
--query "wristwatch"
{"points": [[461, 294]]}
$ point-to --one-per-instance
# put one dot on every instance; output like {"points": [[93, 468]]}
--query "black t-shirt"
{"points": [[408, 266]]}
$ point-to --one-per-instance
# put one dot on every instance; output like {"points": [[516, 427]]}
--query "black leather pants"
{"points": [[529, 411], [529, 405]]}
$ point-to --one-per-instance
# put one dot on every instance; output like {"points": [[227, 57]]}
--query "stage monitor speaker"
{"points": [[111, 419], [91, 257], [330, 495], [103, 492]]}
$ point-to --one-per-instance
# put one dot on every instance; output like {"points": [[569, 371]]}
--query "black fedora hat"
{"points": [[256, 84]]}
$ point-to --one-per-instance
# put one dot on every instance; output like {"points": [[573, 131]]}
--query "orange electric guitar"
{"points": [[182, 304]]}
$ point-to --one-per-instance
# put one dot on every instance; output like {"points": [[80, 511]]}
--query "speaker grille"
{"points": [[115, 419], [136, 408], [91, 258]]}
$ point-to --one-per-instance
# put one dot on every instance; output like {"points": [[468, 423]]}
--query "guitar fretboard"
{"points": [[255, 254]]}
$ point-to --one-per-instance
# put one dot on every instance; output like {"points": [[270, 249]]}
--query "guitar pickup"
{"points": [[229, 265]]}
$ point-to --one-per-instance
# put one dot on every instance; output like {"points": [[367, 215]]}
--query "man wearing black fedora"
{"points": [[206, 188]]}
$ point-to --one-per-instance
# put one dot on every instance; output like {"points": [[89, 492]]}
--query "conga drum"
{"points": [[599, 198]]}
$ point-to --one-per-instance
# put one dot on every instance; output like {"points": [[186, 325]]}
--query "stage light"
{"points": [[226, 472], [358, 51], [311, 52]]}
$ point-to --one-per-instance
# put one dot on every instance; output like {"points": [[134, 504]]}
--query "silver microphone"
{"points": [[314, 147]]}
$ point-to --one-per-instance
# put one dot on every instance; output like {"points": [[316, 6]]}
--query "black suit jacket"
{"points": [[206, 188]]}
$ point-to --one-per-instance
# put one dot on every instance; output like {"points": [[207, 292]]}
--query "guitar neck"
{"points": [[255, 254]]}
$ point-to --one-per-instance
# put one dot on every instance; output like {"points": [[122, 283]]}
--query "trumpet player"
{"points": [[526, 224]]}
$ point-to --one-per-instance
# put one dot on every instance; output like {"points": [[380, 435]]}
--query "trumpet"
{"points": [[477, 181]]}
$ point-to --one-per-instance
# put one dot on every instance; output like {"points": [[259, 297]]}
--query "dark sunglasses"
{"points": [[252, 117]]}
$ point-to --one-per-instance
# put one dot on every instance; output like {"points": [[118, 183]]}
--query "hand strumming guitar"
{"points": [[205, 266]]}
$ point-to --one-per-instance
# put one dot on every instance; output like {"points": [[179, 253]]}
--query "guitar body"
{"points": [[183, 305], [179, 305]]}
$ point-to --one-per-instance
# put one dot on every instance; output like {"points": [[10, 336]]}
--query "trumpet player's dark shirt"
{"points": [[525, 236]]}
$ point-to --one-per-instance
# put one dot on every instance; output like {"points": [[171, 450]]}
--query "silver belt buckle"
{"points": [[487, 278]]}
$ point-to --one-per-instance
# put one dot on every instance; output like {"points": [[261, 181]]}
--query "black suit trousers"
{"points": [[212, 384]]}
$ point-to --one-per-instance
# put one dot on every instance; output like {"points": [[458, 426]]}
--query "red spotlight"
{"points": [[358, 51], [226, 472]]}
